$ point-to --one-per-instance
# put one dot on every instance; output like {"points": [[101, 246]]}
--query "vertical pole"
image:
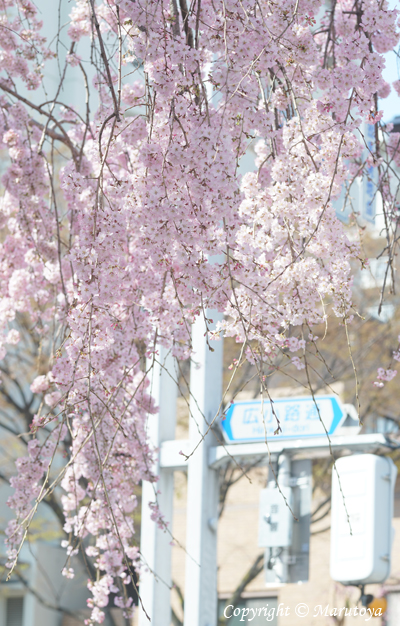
{"points": [[203, 487], [155, 579], [284, 469], [291, 566], [302, 497]]}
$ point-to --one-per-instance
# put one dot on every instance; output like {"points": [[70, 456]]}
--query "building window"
{"points": [[14, 611], [259, 610]]}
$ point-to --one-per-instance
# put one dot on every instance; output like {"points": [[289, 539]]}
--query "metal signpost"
{"points": [[155, 578], [244, 429], [287, 542], [203, 481]]}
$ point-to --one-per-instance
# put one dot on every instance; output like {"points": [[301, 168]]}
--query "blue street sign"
{"points": [[252, 420]]}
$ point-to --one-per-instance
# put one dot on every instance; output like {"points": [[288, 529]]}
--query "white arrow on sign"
{"points": [[253, 420]]}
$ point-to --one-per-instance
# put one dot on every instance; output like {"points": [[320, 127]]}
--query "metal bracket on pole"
{"points": [[316, 448], [203, 481], [155, 579], [287, 562]]}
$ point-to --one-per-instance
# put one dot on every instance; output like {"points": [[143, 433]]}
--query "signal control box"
{"points": [[361, 519]]}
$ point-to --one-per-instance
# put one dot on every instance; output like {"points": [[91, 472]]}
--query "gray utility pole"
{"points": [[155, 579], [286, 540], [203, 486], [299, 551]]}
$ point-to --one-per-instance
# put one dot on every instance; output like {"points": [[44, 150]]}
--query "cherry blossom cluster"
{"points": [[150, 222], [384, 375]]}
